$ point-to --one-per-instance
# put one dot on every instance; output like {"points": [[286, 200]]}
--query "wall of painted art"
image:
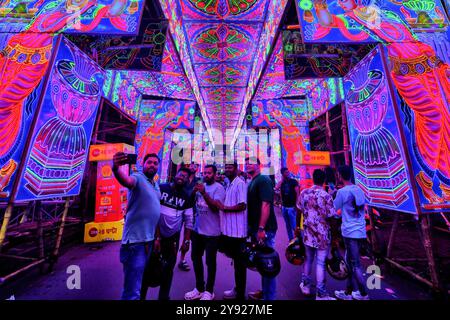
{"points": [[367, 20], [378, 155], [423, 102], [291, 116], [20, 88], [57, 154], [155, 116], [100, 17], [323, 96], [121, 93]]}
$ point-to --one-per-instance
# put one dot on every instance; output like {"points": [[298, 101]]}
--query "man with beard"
{"points": [[140, 221], [176, 209]]}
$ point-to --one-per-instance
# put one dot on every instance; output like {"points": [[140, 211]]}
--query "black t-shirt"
{"points": [[260, 189], [288, 193]]}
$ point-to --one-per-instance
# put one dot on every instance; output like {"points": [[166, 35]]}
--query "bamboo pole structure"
{"points": [[6, 218], [345, 136], [426, 235], [373, 238], [61, 228], [392, 235]]}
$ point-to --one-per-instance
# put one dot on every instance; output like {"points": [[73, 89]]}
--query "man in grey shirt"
{"points": [[140, 221], [205, 237]]}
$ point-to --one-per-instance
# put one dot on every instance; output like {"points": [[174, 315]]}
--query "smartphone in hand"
{"points": [[132, 158]]}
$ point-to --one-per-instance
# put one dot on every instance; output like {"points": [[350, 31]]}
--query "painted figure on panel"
{"points": [[25, 58], [421, 78]]}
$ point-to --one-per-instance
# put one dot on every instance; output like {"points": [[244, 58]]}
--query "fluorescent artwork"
{"points": [[324, 96], [15, 118], [292, 118], [57, 155], [102, 16], [378, 157], [122, 93], [367, 20], [223, 46], [155, 116], [141, 52]]}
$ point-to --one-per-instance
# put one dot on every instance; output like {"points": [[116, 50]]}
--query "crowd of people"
{"points": [[226, 209]]}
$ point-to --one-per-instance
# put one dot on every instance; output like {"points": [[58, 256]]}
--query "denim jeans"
{"points": [[289, 215], [234, 246], [169, 251], [320, 255], [204, 245], [134, 258], [269, 285], [355, 280]]}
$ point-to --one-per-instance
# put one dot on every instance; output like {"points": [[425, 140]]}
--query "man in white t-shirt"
{"points": [[233, 225]]}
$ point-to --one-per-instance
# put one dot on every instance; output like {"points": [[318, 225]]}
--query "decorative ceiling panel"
{"points": [[222, 74], [222, 42], [252, 10]]}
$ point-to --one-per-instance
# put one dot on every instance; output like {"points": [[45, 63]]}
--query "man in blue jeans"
{"points": [[262, 223], [316, 205], [351, 200], [141, 219], [288, 190]]}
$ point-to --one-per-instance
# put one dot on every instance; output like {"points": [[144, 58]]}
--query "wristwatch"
{"points": [[260, 228], [187, 242]]}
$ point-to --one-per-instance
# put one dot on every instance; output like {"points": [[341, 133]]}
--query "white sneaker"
{"points": [[324, 297], [230, 294], [357, 296], [305, 289], [342, 295], [193, 295], [207, 296]]}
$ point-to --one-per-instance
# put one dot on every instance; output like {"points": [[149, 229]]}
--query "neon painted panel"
{"points": [[154, 117], [378, 156], [122, 93], [224, 9], [324, 96], [319, 60], [292, 117], [222, 42], [59, 148], [368, 21], [20, 88], [99, 17], [424, 110]]}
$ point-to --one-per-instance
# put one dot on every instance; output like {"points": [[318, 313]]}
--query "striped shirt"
{"points": [[234, 224], [176, 208]]}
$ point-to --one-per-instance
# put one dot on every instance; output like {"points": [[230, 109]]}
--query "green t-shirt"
{"points": [[260, 189]]}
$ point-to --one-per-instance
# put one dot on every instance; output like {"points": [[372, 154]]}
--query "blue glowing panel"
{"points": [[58, 151], [122, 93], [120, 17], [368, 20], [378, 156], [21, 84]]}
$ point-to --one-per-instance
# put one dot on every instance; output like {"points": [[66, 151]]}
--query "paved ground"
{"points": [[101, 278]]}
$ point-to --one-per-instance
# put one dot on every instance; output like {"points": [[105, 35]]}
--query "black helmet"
{"points": [[153, 270], [248, 251], [267, 262], [336, 266], [295, 252]]}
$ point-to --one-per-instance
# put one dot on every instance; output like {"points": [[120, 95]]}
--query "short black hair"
{"points": [[318, 177], [214, 168], [184, 169], [252, 160], [283, 170], [151, 155], [345, 172], [234, 164]]}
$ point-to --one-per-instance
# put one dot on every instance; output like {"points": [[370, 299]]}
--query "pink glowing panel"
{"points": [[222, 42], [222, 74], [223, 94], [249, 10]]}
